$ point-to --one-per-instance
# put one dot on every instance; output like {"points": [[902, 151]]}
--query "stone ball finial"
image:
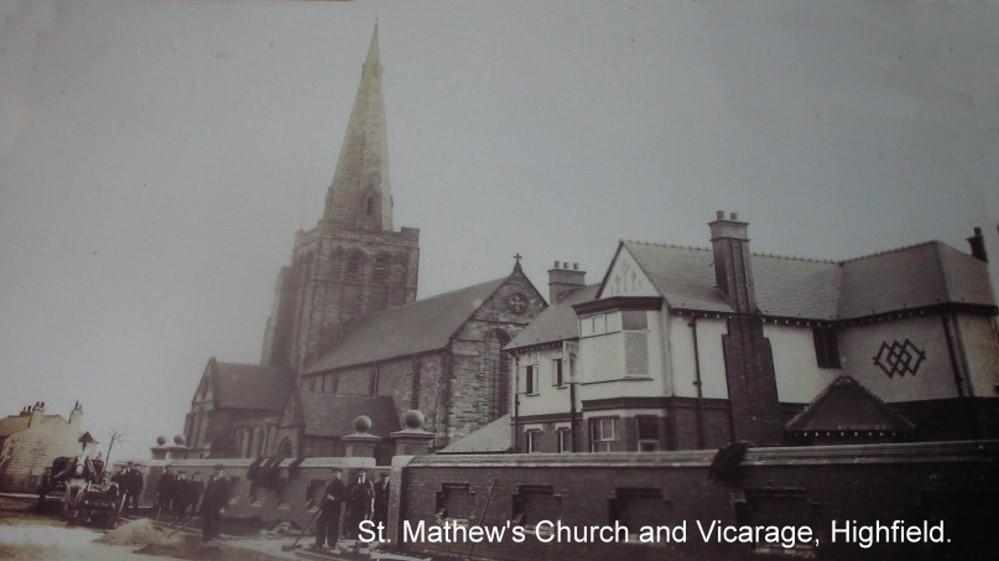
{"points": [[161, 440], [413, 419], [362, 423], [178, 440]]}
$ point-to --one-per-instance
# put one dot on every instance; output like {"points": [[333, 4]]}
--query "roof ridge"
{"points": [[755, 253], [246, 364], [892, 250], [442, 294], [670, 245], [795, 258], [394, 309]]}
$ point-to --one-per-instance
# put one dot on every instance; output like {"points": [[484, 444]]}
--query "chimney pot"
{"points": [[734, 216], [555, 266], [720, 214], [977, 243], [562, 280]]}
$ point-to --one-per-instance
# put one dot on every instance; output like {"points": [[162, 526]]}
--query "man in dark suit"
{"points": [[382, 499], [194, 490], [362, 496], [129, 488], [133, 486], [164, 491], [178, 503], [213, 504], [328, 524]]}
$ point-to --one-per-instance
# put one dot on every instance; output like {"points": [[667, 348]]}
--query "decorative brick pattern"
{"points": [[899, 358]]}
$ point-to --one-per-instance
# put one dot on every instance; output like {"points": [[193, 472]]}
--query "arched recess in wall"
{"points": [[337, 264], [357, 264], [400, 262], [496, 366], [285, 449], [380, 271], [371, 203], [305, 267]]}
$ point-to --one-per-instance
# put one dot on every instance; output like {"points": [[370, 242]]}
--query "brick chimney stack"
{"points": [[37, 412], [563, 279], [749, 364], [733, 270], [977, 243], [76, 414]]}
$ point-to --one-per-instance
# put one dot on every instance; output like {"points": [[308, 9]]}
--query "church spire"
{"points": [[360, 197]]}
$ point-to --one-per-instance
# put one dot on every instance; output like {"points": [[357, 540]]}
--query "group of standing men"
{"points": [[129, 481], [364, 500], [177, 495]]}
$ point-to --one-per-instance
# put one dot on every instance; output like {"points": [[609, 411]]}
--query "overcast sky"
{"points": [[156, 157]]}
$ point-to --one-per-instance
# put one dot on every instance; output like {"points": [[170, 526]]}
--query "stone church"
{"points": [[347, 336]]}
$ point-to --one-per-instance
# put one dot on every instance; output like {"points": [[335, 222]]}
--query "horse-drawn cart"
{"points": [[88, 496]]}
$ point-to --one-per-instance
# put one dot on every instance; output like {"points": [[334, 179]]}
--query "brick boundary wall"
{"points": [[954, 481], [957, 481]]}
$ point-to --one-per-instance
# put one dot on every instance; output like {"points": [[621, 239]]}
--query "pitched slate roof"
{"points": [[323, 414], [557, 322], [13, 423], [904, 278], [420, 326], [846, 405], [920, 275], [490, 439], [249, 386]]}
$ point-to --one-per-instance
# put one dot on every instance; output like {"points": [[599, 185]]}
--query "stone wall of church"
{"points": [[218, 432], [277, 336], [478, 386], [345, 275], [413, 382], [460, 388]]}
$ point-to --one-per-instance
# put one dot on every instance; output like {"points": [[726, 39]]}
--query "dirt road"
{"points": [[26, 536]]}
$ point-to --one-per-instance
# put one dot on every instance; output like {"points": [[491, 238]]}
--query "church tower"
{"points": [[352, 263]]}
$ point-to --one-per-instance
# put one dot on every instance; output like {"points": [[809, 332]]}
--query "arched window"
{"points": [[356, 264], [337, 263], [284, 449], [306, 267], [496, 367], [380, 271]]}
